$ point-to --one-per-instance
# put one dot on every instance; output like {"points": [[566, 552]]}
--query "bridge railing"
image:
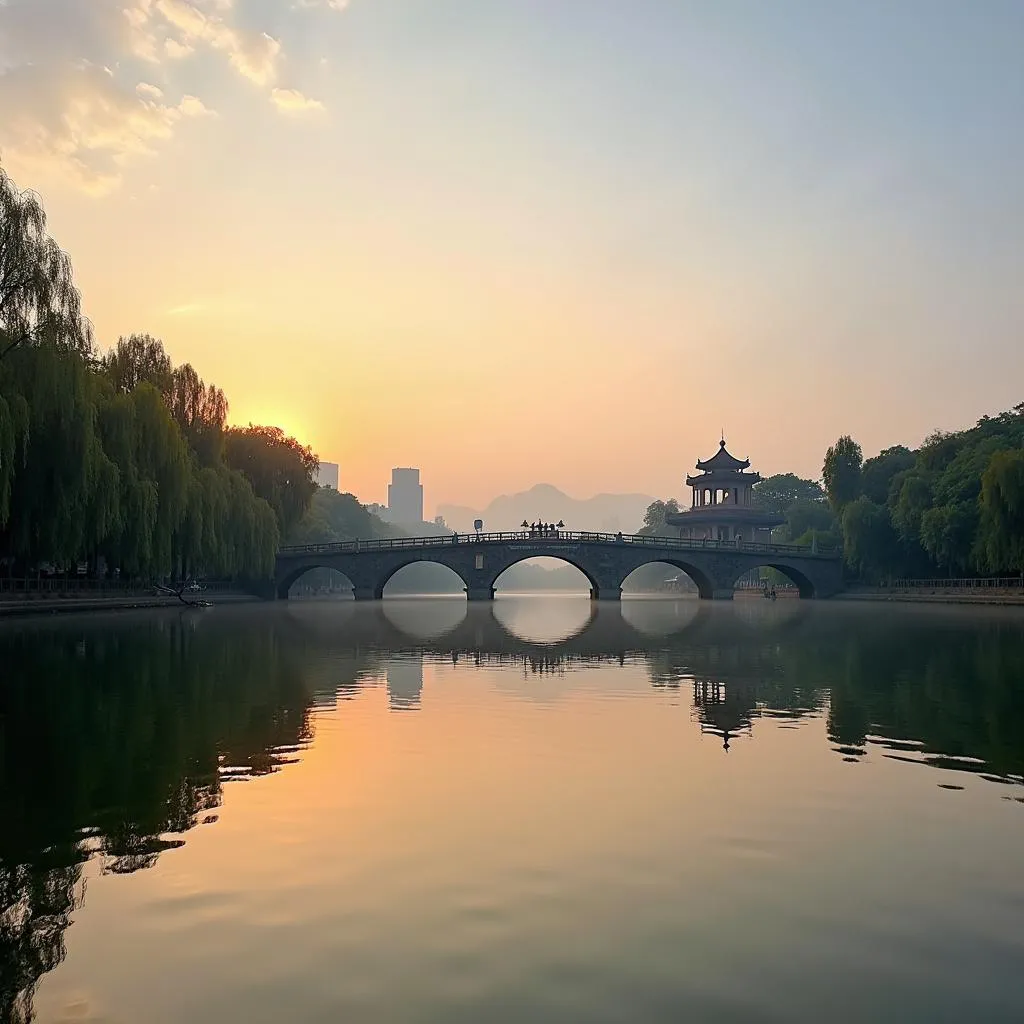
{"points": [[555, 538], [961, 583]]}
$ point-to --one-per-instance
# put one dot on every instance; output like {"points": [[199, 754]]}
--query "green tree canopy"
{"points": [[116, 460], [201, 412], [878, 473], [1001, 541], [654, 517], [869, 541], [777, 493], [333, 517], [281, 470], [949, 505], [39, 302], [138, 359], [842, 472]]}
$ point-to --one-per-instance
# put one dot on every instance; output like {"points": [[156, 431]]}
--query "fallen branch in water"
{"points": [[180, 592]]}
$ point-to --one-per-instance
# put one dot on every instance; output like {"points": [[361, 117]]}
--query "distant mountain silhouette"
{"points": [[604, 512]]}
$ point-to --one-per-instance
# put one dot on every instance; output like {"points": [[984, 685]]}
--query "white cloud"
{"points": [[193, 106], [177, 50], [76, 98], [175, 27], [332, 5], [83, 122], [291, 101]]}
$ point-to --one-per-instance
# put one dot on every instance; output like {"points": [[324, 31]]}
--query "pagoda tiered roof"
{"points": [[723, 462]]}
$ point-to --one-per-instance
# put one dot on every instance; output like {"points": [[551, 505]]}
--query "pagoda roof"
{"points": [[744, 515], [723, 477], [723, 461]]}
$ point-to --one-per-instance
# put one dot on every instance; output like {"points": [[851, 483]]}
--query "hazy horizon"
{"points": [[514, 242]]}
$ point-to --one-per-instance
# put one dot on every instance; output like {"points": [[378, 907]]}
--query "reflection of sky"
{"points": [[424, 619], [549, 620], [496, 839], [552, 827]]}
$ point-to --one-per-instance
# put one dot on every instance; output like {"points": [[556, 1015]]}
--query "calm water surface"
{"points": [[415, 811]]}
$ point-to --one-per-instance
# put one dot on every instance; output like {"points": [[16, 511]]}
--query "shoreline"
{"points": [[1005, 598], [26, 607], [80, 605]]}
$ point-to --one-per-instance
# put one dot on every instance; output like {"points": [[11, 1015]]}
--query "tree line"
{"points": [[122, 461], [953, 507]]}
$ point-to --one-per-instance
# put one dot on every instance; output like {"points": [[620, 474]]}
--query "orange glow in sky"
{"points": [[514, 243]]}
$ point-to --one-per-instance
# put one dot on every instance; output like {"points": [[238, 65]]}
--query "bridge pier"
{"points": [[723, 594], [606, 593], [364, 594], [479, 593]]}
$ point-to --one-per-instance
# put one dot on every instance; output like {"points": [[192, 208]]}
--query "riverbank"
{"points": [[55, 604], [936, 596]]}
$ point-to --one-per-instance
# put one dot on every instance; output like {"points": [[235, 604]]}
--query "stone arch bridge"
{"points": [[606, 559]]}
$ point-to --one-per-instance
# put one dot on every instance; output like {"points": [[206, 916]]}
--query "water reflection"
{"points": [[550, 622], [114, 741], [405, 682], [118, 735], [418, 618]]}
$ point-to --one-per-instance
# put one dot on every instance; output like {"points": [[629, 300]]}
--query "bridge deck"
{"points": [[555, 538]]}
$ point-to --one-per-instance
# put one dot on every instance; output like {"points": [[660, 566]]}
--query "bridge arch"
{"points": [[703, 582], [665, 576], [588, 576], [804, 584], [565, 558], [393, 570], [285, 584]]}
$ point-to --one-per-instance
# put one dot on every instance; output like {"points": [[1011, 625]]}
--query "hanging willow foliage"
{"points": [[120, 458], [39, 302], [13, 442]]}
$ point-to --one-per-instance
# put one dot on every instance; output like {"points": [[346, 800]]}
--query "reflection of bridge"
{"points": [[606, 559], [673, 637], [730, 657]]}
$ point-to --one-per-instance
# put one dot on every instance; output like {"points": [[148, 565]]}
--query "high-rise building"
{"points": [[327, 476], [405, 496]]}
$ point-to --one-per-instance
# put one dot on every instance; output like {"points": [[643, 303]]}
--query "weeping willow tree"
{"points": [[62, 489], [120, 458], [39, 302], [1001, 539], [13, 443]]}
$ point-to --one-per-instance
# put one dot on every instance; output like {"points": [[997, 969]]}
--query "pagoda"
{"points": [[722, 506]]}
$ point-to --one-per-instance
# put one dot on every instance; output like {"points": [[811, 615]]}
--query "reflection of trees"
{"points": [[948, 691], [116, 740], [735, 683], [937, 680], [937, 685], [36, 904]]}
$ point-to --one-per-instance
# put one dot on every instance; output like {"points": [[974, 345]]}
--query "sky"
{"points": [[514, 241]]}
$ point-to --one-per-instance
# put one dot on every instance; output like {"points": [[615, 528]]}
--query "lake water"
{"points": [[536, 811]]}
